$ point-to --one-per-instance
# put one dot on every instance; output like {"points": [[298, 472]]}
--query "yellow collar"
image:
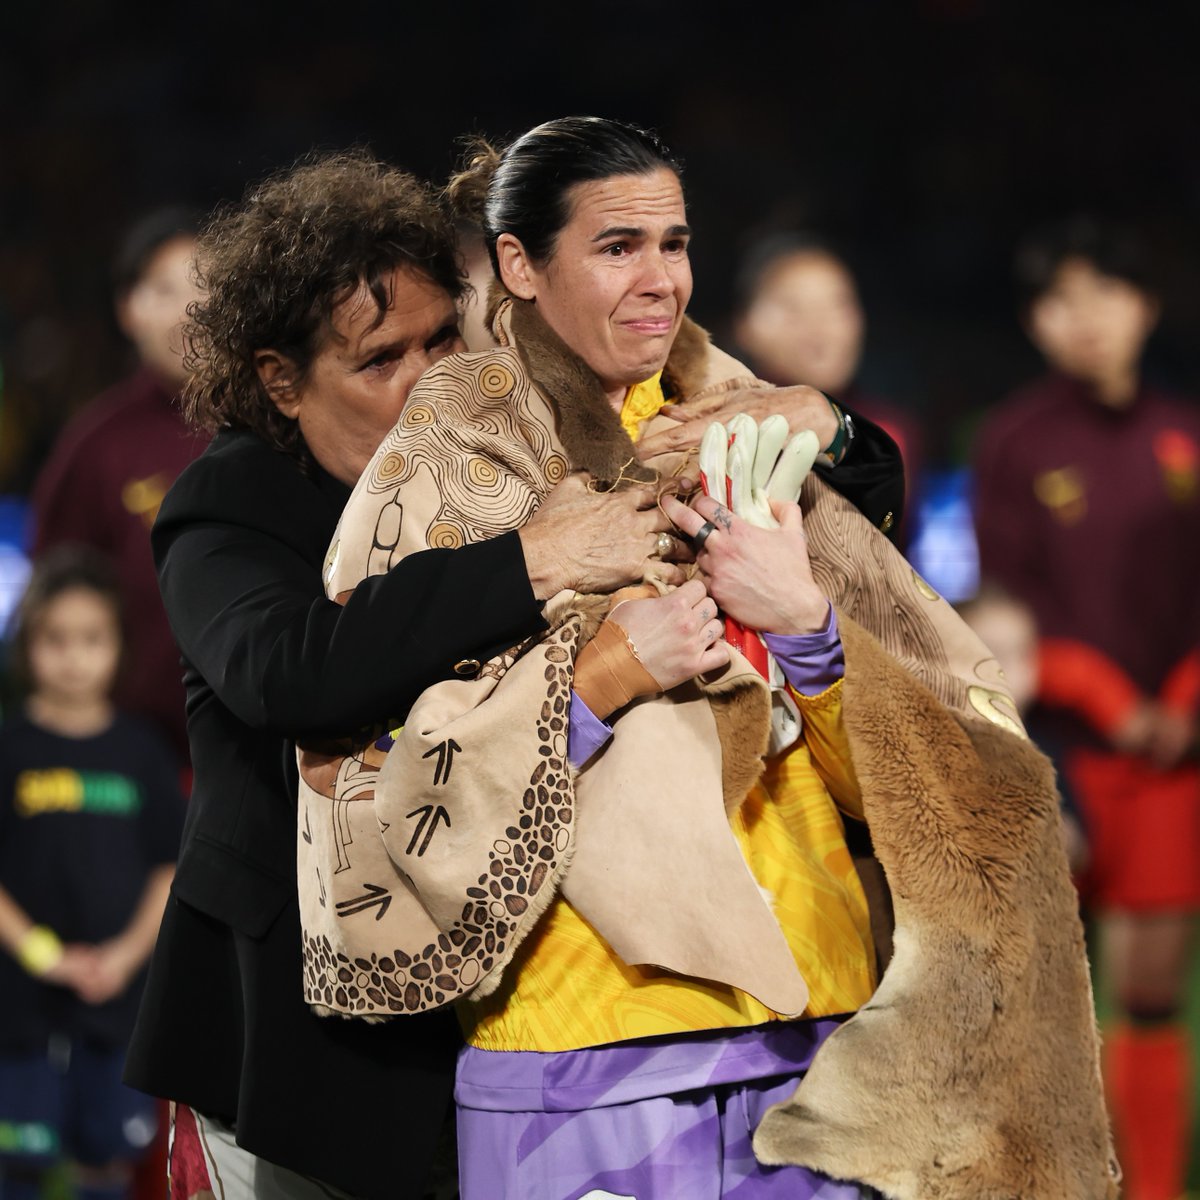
{"points": [[642, 402]]}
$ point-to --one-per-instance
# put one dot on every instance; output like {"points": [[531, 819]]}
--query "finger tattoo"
{"points": [[724, 518]]}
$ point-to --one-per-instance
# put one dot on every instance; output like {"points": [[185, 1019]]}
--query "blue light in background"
{"points": [[14, 564], [943, 548]]}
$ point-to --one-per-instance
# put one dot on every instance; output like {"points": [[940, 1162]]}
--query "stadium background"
{"points": [[924, 135]]}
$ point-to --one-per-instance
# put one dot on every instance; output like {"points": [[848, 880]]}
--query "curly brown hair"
{"points": [[274, 268]]}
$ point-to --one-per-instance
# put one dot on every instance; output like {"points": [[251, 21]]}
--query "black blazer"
{"points": [[240, 543]]}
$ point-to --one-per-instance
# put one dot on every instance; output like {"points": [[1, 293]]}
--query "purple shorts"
{"points": [[648, 1120]]}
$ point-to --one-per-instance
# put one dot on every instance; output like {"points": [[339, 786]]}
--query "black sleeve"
{"points": [[250, 615], [871, 476], [161, 817]]}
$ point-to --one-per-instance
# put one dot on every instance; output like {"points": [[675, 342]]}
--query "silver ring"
{"points": [[701, 536], [663, 545]]}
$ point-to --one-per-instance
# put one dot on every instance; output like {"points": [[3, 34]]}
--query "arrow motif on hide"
{"points": [[428, 816], [374, 895], [445, 752]]}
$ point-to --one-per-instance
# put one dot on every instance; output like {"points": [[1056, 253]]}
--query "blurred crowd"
{"points": [[1084, 489]]}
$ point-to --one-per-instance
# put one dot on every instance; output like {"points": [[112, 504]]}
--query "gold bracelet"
{"points": [[40, 950]]}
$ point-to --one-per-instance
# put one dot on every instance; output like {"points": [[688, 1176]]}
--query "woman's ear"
{"points": [[279, 377], [517, 272]]}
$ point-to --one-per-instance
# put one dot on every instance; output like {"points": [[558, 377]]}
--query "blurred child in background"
{"points": [[1006, 626], [1087, 505], [798, 318], [113, 463], [90, 821]]}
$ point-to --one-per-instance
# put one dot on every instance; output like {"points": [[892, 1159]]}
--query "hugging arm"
{"points": [[250, 615]]}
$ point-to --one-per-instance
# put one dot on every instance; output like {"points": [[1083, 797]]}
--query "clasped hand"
{"points": [[95, 973], [755, 568], [762, 578]]}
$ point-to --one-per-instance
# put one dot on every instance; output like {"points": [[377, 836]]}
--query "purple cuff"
{"points": [[811, 662], [586, 733]]}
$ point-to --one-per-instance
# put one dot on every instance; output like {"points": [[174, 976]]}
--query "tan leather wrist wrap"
{"points": [[609, 674]]}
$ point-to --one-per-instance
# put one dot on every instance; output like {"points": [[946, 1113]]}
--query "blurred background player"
{"points": [[799, 319], [1087, 504], [113, 463], [90, 820], [1006, 626]]}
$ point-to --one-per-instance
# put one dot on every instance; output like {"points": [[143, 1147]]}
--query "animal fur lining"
{"points": [[685, 372], [973, 1072], [589, 427]]}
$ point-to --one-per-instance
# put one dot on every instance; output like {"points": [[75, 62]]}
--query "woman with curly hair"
{"points": [[328, 292]]}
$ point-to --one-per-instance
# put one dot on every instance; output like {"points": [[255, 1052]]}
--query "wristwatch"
{"points": [[840, 446]]}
